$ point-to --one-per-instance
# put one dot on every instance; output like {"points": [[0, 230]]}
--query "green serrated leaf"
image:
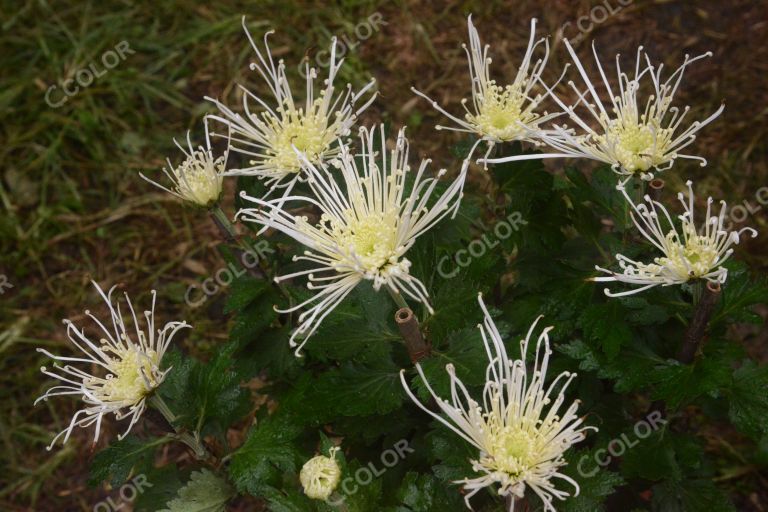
{"points": [[425, 493], [748, 399], [162, 484], [452, 456], [741, 292], [205, 492], [679, 383], [595, 484], [243, 291], [466, 352], [205, 397], [605, 325], [663, 455], [358, 390], [270, 449], [690, 496], [120, 458]]}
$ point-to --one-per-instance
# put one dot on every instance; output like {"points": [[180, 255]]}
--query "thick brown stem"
{"points": [[417, 347], [695, 334], [655, 187]]}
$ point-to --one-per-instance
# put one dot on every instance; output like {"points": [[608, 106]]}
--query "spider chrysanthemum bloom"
{"points": [[198, 179], [518, 428], [688, 252], [634, 138], [320, 476], [500, 113], [267, 136], [114, 374], [369, 220]]}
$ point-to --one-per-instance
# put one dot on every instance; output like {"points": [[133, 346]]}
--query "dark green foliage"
{"points": [[117, 462], [205, 397], [345, 388]]}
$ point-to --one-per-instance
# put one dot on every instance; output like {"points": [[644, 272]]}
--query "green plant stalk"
{"points": [[223, 223], [191, 440], [398, 298]]}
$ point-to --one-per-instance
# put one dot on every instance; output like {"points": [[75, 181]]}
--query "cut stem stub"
{"points": [[655, 187], [417, 347]]}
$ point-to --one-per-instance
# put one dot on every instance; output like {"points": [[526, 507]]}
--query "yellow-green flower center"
{"points": [[372, 239], [694, 259], [131, 377], [514, 450], [500, 113], [309, 133], [199, 179], [637, 146]]}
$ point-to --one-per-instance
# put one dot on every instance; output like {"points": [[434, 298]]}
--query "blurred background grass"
{"points": [[74, 208]]}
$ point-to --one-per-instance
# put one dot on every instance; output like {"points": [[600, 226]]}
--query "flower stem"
{"points": [[223, 223], [695, 334], [157, 401], [398, 298], [239, 249], [191, 440]]}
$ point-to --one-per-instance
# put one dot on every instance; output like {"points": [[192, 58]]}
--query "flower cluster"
{"points": [[635, 137], [356, 208], [638, 130]]}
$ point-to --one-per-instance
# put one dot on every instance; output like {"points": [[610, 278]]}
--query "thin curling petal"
{"points": [[501, 113], [686, 252], [521, 431], [267, 131], [636, 134], [368, 222], [127, 367]]}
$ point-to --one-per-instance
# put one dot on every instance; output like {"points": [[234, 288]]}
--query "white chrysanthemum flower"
{"points": [[198, 179], [500, 113], [518, 428], [368, 222], [688, 253], [268, 137], [320, 476], [126, 364], [633, 139]]}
